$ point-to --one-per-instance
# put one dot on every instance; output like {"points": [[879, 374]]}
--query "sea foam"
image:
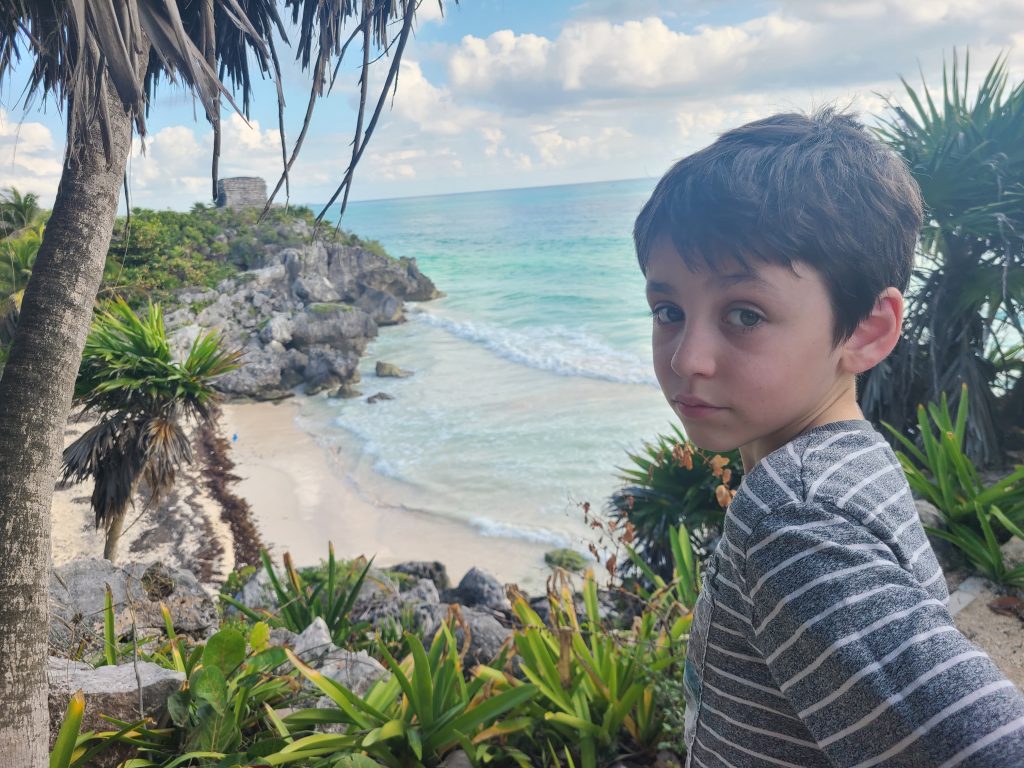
{"points": [[556, 350]]}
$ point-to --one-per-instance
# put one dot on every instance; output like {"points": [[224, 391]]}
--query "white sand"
{"points": [[302, 496]]}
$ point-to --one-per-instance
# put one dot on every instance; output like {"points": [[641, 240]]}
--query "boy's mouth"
{"points": [[694, 407]]}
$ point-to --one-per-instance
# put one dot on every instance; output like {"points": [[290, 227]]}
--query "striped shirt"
{"points": [[821, 635]]}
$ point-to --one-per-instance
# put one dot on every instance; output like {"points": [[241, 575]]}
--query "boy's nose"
{"points": [[695, 353]]}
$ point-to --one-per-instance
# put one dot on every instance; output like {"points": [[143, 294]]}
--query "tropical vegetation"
{"points": [[142, 398], [581, 690], [102, 62], [965, 148]]}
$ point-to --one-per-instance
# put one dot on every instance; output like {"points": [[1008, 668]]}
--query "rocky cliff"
{"points": [[302, 314]]}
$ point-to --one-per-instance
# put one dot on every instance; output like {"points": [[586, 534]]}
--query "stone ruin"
{"points": [[241, 192]]}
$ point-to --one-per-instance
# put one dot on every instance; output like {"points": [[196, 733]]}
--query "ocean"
{"points": [[532, 377]]}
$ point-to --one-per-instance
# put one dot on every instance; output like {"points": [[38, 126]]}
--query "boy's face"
{"points": [[745, 358]]}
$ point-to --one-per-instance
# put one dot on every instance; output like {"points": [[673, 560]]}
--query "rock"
{"points": [[314, 288], [478, 588], [282, 638], [457, 759], [278, 328], [335, 325], [384, 308], [950, 558], [77, 592], [486, 637], [424, 569], [112, 691], [378, 397], [346, 391], [327, 368], [258, 593], [390, 370], [1013, 553], [356, 671], [314, 642]]}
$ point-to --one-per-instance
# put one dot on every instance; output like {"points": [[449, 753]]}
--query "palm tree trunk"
{"points": [[110, 543], [35, 397]]}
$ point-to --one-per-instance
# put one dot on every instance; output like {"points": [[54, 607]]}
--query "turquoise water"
{"points": [[532, 377]]}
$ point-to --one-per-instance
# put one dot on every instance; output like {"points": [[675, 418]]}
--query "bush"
{"points": [[673, 483]]}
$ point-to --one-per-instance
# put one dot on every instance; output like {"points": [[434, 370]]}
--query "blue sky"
{"points": [[516, 93]]}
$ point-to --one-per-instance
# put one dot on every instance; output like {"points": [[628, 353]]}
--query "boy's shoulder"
{"points": [[845, 467]]}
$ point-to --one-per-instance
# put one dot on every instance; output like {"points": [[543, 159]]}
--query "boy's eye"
{"points": [[744, 319], [666, 313]]}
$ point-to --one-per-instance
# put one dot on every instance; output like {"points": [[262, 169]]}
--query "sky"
{"points": [[496, 94]]}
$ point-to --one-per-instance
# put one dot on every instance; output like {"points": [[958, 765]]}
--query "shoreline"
{"points": [[302, 495]]}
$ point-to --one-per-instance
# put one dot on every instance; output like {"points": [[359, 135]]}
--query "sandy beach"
{"points": [[302, 496]]}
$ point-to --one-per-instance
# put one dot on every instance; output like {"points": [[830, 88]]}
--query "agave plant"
{"points": [[142, 397], [963, 321]]}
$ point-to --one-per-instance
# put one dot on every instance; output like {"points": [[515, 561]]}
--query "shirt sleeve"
{"points": [[869, 660]]}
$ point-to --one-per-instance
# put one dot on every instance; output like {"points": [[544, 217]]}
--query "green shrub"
{"points": [[328, 591], [418, 714], [978, 516], [673, 483]]}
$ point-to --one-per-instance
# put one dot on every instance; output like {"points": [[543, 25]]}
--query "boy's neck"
{"points": [[843, 408]]}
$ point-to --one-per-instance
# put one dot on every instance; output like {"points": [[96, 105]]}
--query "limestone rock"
{"points": [[383, 307], [478, 588], [314, 642], [390, 370], [487, 635], [112, 691], [356, 671], [378, 397], [77, 599], [423, 569]]}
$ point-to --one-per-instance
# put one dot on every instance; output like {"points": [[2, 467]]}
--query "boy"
{"points": [[775, 260]]}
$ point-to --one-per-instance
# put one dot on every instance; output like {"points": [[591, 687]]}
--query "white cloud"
{"points": [[29, 160]]}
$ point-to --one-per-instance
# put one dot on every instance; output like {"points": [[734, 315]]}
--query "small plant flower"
{"points": [[718, 463]]}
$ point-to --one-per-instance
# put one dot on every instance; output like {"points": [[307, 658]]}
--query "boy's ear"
{"points": [[876, 335]]}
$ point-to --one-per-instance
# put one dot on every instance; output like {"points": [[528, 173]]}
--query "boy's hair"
{"points": [[816, 189]]}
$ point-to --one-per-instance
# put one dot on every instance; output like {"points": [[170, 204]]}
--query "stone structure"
{"points": [[241, 192]]}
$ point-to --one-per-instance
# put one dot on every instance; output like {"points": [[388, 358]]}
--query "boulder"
{"points": [[314, 288], [390, 370], [356, 671], [384, 308], [480, 589], [424, 569], [314, 642], [328, 368], [112, 691], [278, 328], [336, 325], [77, 592], [486, 637], [378, 397]]}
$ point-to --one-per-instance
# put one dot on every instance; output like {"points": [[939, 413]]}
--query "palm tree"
{"points": [[17, 255], [142, 396], [101, 61], [17, 211], [963, 319]]}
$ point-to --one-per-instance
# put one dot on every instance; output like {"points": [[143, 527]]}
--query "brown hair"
{"points": [[815, 189]]}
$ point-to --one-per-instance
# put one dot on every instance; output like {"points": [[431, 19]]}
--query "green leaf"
{"points": [[210, 685], [225, 650], [259, 636], [67, 737], [178, 707]]}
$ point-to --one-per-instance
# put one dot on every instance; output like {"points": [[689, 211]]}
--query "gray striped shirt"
{"points": [[821, 636]]}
